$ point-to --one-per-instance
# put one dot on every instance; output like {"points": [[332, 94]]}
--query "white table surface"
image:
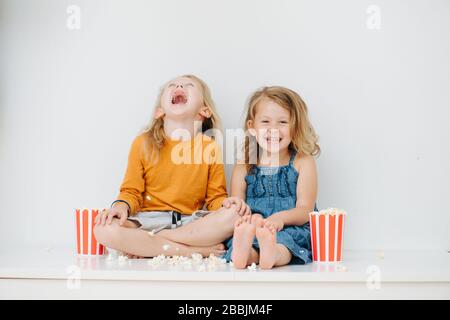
{"points": [[357, 266]]}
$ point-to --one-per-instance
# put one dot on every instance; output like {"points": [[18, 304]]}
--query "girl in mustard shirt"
{"points": [[174, 169]]}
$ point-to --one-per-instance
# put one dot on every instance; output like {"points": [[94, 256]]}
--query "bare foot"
{"points": [[257, 220], [132, 256], [217, 250], [244, 233], [267, 240]]}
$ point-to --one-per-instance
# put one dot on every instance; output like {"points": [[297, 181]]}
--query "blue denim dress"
{"points": [[274, 189]]}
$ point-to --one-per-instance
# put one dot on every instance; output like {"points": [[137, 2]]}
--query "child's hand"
{"points": [[257, 220], [241, 207], [119, 210], [276, 222]]}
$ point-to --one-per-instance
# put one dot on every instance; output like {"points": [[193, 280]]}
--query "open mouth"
{"points": [[273, 140], [179, 97]]}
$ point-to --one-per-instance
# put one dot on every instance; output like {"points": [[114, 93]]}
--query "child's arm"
{"points": [[133, 185], [130, 198], [216, 191], [238, 190], [306, 196], [238, 184]]}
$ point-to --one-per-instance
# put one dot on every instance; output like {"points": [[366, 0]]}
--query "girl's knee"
{"points": [[256, 218], [107, 234]]}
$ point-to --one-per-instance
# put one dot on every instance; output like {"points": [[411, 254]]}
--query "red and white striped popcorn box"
{"points": [[327, 234], [86, 242]]}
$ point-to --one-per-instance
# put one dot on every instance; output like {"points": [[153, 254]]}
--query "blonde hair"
{"points": [[304, 137], [154, 132]]}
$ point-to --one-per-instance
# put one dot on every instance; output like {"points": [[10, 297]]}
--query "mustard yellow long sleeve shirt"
{"points": [[186, 176]]}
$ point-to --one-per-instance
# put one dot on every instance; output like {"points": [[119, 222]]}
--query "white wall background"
{"points": [[71, 102]]}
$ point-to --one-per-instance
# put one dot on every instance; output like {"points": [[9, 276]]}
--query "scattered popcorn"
{"points": [[342, 268], [187, 265], [211, 267], [151, 233], [157, 261], [332, 211], [184, 259], [174, 261], [112, 252], [252, 267], [201, 268], [123, 258], [177, 249], [166, 247], [197, 257], [212, 263], [214, 259]]}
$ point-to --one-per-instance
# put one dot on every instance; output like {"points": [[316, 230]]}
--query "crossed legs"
{"points": [[203, 236]]}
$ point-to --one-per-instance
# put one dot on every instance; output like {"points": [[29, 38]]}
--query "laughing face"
{"points": [[181, 97], [271, 126]]}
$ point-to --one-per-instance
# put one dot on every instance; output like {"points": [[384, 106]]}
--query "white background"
{"points": [[71, 101]]}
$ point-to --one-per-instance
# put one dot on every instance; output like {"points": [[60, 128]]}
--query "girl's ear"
{"points": [[251, 130], [158, 113], [205, 112]]}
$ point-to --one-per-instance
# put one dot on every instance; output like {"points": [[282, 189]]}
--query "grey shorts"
{"points": [[159, 220]]}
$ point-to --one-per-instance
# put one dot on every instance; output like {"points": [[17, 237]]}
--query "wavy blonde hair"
{"points": [[304, 137], [154, 132]]}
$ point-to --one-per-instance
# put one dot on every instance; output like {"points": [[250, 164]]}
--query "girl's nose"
{"points": [[179, 86], [273, 131]]}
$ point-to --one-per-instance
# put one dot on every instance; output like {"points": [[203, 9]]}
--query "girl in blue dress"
{"points": [[278, 181]]}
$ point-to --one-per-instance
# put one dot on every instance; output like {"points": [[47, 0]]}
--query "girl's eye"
{"points": [[189, 84], [283, 122], [265, 121], [171, 85]]}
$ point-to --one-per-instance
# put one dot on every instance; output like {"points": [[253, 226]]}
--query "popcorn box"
{"points": [[86, 242], [327, 231]]}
